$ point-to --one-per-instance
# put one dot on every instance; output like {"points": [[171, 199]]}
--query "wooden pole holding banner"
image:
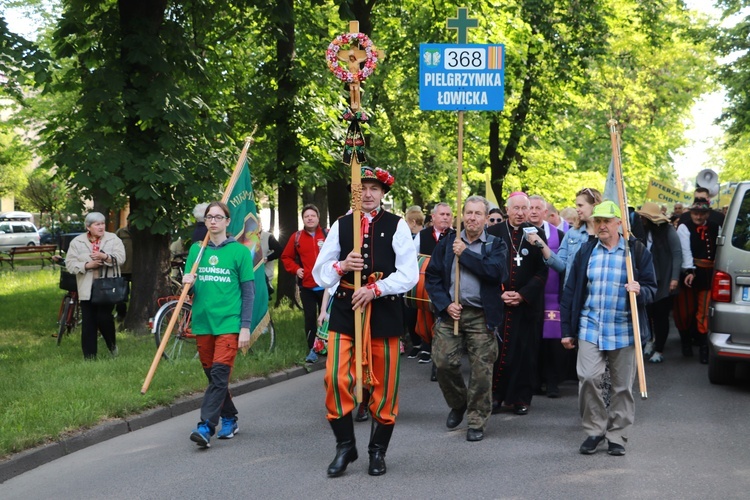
{"points": [[354, 57], [461, 23], [623, 202], [356, 217], [459, 179], [186, 288]]}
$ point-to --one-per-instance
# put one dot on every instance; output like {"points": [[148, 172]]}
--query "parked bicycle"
{"points": [[181, 344], [69, 315]]}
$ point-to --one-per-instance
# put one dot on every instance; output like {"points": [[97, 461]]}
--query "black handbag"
{"points": [[109, 290], [68, 281]]}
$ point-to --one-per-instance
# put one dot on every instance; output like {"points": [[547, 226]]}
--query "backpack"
{"points": [[296, 245]]}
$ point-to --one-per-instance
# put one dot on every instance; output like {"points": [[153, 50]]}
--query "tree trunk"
{"points": [[142, 19], [320, 199], [287, 227], [287, 145], [151, 267], [338, 205]]}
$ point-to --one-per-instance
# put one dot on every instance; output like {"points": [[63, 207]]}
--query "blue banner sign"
{"points": [[463, 77]]}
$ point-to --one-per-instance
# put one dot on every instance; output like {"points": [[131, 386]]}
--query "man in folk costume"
{"points": [[388, 264], [425, 243], [551, 354], [523, 295], [698, 241], [478, 310]]}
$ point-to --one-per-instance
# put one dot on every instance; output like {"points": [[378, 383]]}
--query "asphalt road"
{"points": [[689, 441]]}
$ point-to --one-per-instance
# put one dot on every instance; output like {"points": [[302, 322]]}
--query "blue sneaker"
{"points": [[228, 429], [202, 435], [312, 357]]}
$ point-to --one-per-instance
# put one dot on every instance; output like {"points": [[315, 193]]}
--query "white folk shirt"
{"points": [[401, 281]]}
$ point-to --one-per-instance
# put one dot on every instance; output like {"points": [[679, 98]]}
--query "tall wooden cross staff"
{"points": [[361, 58], [623, 202], [461, 23]]}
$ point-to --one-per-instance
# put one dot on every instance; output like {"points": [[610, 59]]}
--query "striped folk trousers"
{"points": [[340, 377]]}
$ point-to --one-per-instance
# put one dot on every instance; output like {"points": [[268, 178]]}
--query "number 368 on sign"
{"points": [[462, 59]]}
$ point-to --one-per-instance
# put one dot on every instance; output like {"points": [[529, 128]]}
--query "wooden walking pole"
{"points": [[356, 218], [456, 288], [186, 288], [623, 202], [361, 51]]}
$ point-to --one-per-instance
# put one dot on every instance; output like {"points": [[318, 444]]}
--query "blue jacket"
{"points": [[490, 267], [576, 287]]}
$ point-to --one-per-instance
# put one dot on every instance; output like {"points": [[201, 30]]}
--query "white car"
{"points": [[17, 233]]}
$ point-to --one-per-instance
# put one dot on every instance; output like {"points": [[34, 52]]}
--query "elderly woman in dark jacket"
{"points": [[88, 255], [661, 239]]}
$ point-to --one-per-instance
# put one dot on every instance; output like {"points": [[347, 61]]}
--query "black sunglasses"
{"points": [[493, 219]]}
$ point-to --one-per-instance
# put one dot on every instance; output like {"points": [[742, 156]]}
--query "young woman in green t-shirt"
{"points": [[224, 289]]}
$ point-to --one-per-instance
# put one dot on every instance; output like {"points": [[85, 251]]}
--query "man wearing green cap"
{"points": [[595, 311]]}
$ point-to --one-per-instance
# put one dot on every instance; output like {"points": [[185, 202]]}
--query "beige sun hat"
{"points": [[652, 212]]}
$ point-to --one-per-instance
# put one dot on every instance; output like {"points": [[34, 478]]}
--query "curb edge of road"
{"points": [[32, 458]]}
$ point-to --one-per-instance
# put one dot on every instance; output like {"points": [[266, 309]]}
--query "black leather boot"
{"points": [[703, 349], [687, 343], [380, 436], [346, 449], [362, 411]]}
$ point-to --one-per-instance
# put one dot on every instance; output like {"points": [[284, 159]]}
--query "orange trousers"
{"points": [[691, 308], [341, 372]]}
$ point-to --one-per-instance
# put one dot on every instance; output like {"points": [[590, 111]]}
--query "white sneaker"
{"points": [[649, 349], [656, 358]]}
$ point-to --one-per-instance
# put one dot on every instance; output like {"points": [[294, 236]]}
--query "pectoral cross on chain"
{"points": [[518, 259]]}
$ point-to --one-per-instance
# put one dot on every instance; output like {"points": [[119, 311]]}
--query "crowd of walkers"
{"points": [[530, 296]]}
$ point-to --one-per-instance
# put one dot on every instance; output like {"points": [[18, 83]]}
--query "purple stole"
{"points": [[551, 329]]}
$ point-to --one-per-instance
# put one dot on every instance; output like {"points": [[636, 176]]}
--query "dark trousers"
{"points": [[217, 354], [410, 320], [312, 301], [96, 318], [552, 356], [658, 315]]}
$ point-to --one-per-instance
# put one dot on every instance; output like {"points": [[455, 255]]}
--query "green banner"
{"points": [[246, 229]]}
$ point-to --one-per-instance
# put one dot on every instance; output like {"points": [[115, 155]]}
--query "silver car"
{"points": [[17, 233], [729, 323]]}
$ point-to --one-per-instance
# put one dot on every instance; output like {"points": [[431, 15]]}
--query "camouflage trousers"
{"points": [[480, 345]]}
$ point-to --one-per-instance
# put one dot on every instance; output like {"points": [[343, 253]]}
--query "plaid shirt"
{"points": [[605, 318]]}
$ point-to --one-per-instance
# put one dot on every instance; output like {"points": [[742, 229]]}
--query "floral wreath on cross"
{"points": [[343, 73]]}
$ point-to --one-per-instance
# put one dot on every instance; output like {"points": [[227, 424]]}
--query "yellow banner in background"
{"points": [[662, 193], [726, 192]]}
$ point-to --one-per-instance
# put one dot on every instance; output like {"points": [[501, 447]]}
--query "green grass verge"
{"points": [[50, 391]]}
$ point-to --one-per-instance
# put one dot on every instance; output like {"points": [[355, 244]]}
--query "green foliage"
{"points": [[157, 115], [22, 63], [59, 392], [733, 43], [140, 127], [47, 195], [14, 158], [646, 76], [731, 159]]}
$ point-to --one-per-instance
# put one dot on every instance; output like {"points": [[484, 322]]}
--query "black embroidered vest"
{"points": [[377, 251]]}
